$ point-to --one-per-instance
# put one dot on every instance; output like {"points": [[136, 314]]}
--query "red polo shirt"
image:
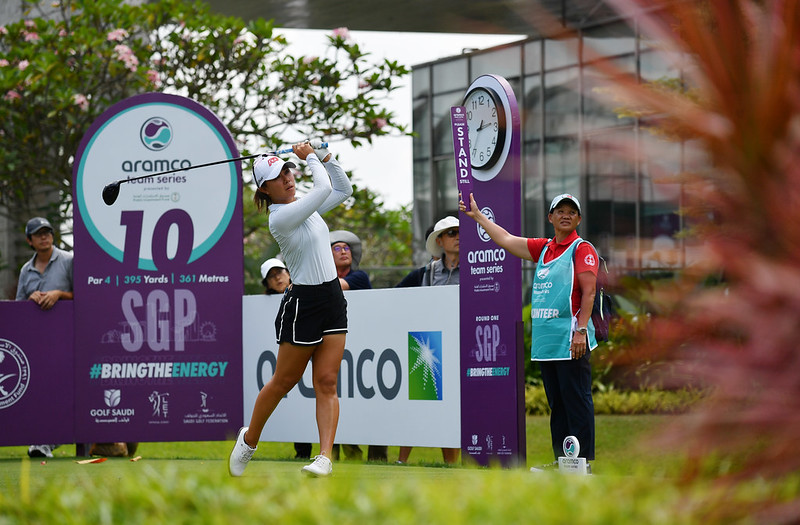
{"points": [[586, 259]]}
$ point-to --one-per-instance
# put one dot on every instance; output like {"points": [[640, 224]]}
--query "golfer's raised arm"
{"points": [[515, 245]]}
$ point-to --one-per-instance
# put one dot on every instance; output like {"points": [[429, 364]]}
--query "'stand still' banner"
{"points": [[158, 275]]}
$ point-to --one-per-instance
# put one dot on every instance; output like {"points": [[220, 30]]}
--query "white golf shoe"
{"points": [[240, 455], [321, 466]]}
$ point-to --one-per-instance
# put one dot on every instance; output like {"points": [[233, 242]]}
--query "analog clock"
{"points": [[486, 120]]}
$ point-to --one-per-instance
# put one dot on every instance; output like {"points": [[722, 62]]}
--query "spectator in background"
{"points": [[47, 277], [275, 278], [443, 245], [346, 248], [347, 251]]}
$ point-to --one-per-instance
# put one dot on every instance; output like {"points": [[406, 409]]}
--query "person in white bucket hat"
{"points": [[312, 317]]}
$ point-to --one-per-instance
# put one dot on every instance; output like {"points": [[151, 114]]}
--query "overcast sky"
{"points": [[386, 167]]}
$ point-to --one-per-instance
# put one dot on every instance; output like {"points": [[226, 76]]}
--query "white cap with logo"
{"points": [[268, 167], [564, 197]]}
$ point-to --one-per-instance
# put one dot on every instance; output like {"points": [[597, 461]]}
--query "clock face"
{"points": [[486, 120]]}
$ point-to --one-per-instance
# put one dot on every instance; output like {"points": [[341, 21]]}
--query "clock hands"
{"points": [[482, 126]]}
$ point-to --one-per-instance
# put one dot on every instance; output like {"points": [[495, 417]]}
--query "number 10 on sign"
{"points": [[458, 119]]}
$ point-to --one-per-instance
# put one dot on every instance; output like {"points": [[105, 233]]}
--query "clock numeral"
{"points": [[494, 111]]}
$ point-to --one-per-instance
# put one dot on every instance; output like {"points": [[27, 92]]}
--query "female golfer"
{"points": [[312, 319]]}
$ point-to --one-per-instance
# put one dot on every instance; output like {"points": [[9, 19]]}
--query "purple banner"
{"points": [[458, 119], [492, 372], [158, 276], [36, 373]]}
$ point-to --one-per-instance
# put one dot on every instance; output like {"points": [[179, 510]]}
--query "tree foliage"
{"points": [[68, 61]]}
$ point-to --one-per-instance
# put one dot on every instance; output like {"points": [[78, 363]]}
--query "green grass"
{"points": [[189, 483]]}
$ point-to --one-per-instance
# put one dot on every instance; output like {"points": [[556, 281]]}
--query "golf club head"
{"points": [[110, 193]]}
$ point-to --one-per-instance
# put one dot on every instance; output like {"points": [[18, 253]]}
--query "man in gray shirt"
{"points": [[47, 277]]}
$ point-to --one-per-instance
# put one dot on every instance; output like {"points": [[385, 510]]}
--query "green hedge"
{"points": [[614, 402]]}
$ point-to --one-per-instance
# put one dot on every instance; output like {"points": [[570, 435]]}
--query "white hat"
{"points": [[564, 197], [352, 240], [269, 264], [444, 224], [268, 167]]}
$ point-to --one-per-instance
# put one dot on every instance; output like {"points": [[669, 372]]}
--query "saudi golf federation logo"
{"points": [[156, 134], [15, 373], [425, 366]]}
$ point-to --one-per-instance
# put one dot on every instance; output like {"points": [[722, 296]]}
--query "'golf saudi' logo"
{"points": [[425, 365]]}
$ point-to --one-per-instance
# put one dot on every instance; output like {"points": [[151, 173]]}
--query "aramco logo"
{"points": [[425, 366]]}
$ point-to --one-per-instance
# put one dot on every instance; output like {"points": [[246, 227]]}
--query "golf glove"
{"points": [[319, 151]]}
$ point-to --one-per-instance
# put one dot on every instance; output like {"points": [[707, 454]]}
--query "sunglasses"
{"points": [[450, 233], [338, 249]]}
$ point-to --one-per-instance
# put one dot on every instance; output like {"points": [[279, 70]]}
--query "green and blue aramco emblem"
{"points": [[425, 366]]}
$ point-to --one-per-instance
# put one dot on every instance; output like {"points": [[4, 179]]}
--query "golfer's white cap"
{"points": [[564, 197], [268, 167], [269, 264]]}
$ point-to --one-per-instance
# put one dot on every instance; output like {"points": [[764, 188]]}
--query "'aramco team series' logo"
{"points": [[571, 447], [487, 211], [15, 373], [156, 134], [425, 365]]}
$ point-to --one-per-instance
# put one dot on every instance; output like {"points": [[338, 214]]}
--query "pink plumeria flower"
{"points": [[154, 77], [3, 30], [3, 62], [380, 123], [23, 65], [11, 95], [342, 32], [30, 23], [81, 101], [31, 37], [62, 32], [308, 60], [117, 35], [126, 56]]}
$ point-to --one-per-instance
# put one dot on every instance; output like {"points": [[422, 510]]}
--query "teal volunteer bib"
{"points": [[552, 319]]}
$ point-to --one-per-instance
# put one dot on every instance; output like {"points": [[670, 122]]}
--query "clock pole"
{"points": [[492, 369]]}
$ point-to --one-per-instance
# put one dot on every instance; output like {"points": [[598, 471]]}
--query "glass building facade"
{"points": [[572, 142]]}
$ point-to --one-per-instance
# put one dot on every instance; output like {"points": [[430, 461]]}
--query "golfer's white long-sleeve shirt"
{"points": [[300, 230]]}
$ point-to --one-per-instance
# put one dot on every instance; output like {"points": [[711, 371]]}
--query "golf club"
{"points": [[111, 191]]}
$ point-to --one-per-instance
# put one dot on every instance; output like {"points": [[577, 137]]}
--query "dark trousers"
{"points": [[568, 385]]}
